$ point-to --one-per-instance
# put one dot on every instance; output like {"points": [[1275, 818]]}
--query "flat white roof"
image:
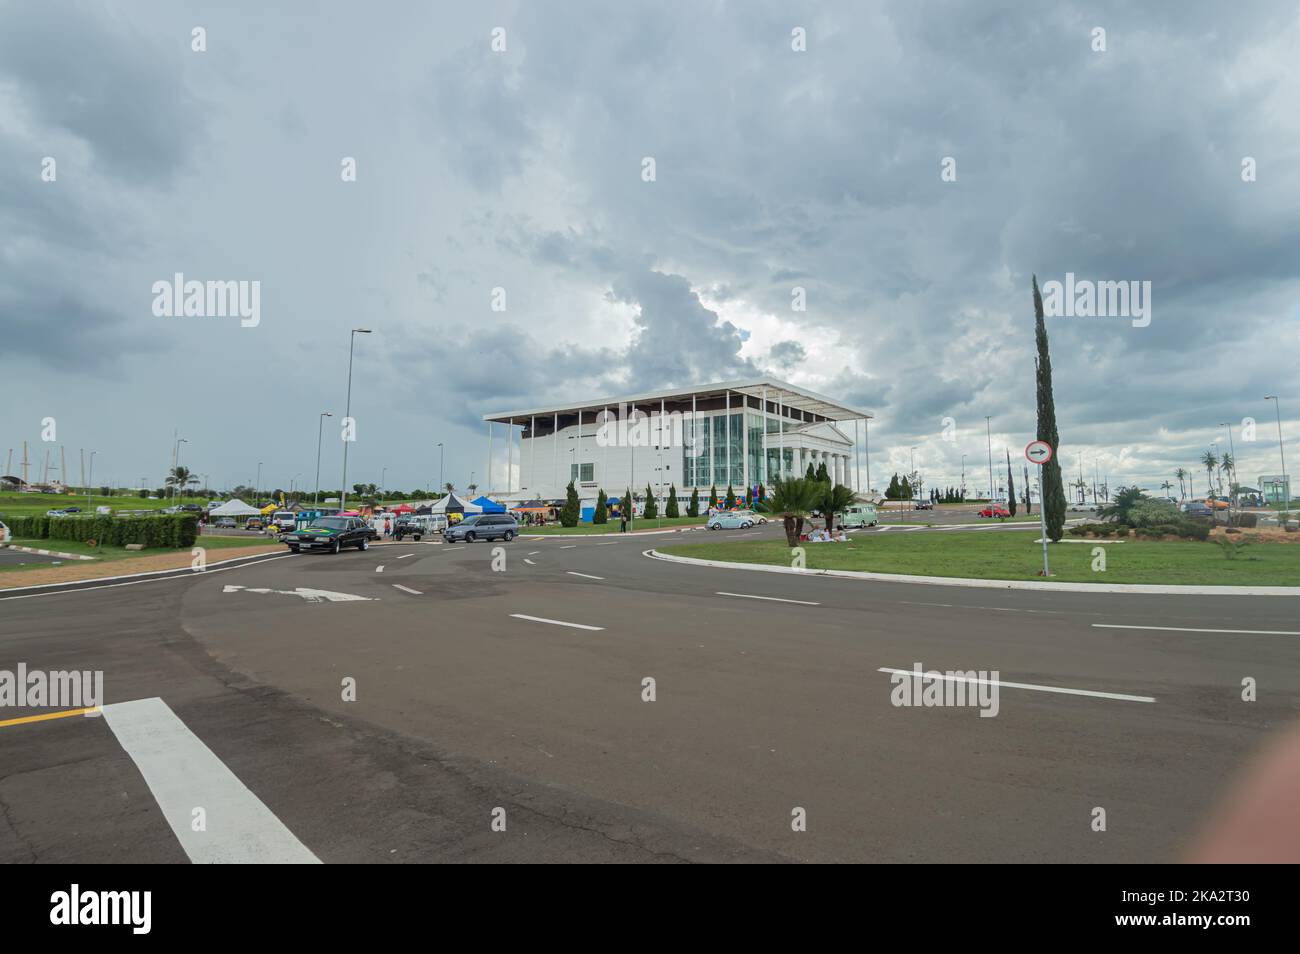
{"points": [[777, 391]]}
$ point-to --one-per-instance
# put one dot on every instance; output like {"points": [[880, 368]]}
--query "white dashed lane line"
{"points": [[407, 589], [772, 599], [587, 575], [380, 568], [1022, 685], [569, 546], [1185, 629], [405, 556], [534, 552], [556, 622]]}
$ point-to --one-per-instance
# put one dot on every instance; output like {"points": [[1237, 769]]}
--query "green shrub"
{"points": [[152, 530]]}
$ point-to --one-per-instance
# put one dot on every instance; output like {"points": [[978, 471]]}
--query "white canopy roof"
{"points": [[234, 508]]}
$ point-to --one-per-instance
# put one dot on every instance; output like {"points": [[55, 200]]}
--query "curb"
{"points": [[99, 582], [1147, 588], [54, 553]]}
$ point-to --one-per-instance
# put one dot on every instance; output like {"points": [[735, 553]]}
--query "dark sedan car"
{"points": [[330, 533]]}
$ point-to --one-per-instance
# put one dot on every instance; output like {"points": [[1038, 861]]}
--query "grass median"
{"points": [[1013, 555]]}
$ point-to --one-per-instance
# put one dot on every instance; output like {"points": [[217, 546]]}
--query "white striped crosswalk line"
{"points": [[184, 775]]}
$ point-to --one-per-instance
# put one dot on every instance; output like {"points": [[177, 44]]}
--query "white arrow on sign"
{"points": [[311, 596]]}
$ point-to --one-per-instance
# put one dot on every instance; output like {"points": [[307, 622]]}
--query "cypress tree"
{"points": [[1011, 488], [1029, 503], [671, 510], [571, 511], [730, 502], [1053, 502], [822, 472], [693, 508], [601, 514], [713, 496], [651, 507], [812, 474]]}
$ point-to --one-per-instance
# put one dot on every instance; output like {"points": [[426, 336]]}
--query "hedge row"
{"points": [[157, 530], [1184, 528]]}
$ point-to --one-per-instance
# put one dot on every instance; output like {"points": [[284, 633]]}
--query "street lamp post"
{"points": [[1232, 496], [320, 430], [441, 473], [1286, 486], [347, 418], [963, 478], [257, 483], [383, 482], [988, 430], [92, 478]]}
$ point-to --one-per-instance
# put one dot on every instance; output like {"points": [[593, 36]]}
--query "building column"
{"points": [[532, 464], [489, 462], [744, 440], [555, 449], [763, 471], [510, 456]]}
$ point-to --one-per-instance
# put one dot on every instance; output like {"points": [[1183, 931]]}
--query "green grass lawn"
{"points": [[612, 526], [121, 553], [1015, 556]]}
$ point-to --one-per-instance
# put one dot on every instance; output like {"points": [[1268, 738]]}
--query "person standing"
{"points": [[622, 522]]}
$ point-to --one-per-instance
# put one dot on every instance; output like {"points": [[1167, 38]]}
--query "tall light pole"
{"points": [[383, 482], [963, 478], [92, 478], [988, 430], [347, 417], [441, 472], [1277, 406], [1232, 496], [257, 483], [320, 429]]}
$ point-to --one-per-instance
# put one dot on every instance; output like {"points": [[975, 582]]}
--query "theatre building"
{"points": [[737, 433]]}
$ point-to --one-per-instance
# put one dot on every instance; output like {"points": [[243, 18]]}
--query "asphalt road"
{"points": [[463, 708]]}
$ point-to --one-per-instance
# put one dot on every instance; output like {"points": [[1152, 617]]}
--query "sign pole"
{"points": [[1040, 452], [1042, 521]]}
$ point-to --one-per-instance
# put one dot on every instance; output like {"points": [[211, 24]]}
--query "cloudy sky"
{"points": [[522, 169]]}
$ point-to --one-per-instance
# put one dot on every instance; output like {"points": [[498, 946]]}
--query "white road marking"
{"points": [[1026, 685], [774, 599], [555, 622], [184, 774], [407, 589], [569, 547], [380, 568], [529, 562], [405, 556], [534, 552], [155, 576], [587, 575], [311, 596], [609, 544], [1186, 629]]}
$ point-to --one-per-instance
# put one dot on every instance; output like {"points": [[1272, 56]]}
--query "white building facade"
{"points": [[737, 433]]}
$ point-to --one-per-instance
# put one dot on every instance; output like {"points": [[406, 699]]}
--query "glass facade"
{"points": [[717, 439]]}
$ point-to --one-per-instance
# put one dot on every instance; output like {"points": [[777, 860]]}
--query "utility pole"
{"points": [[347, 419], [988, 430], [320, 430], [1286, 484]]}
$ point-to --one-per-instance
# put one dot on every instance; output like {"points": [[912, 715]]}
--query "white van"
{"points": [[285, 521], [859, 515]]}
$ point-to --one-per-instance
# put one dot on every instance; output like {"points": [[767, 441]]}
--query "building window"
{"points": [[582, 473]]}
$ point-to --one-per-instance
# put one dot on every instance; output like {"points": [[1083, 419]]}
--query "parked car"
{"points": [[859, 515], [729, 520], [4, 532], [330, 533], [1197, 510], [55, 513], [225, 523], [1081, 508], [483, 526], [254, 523], [922, 504], [995, 510], [284, 520], [417, 525], [754, 516], [1218, 503]]}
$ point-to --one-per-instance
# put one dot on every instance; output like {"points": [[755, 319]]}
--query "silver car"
{"points": [[483, 526]]}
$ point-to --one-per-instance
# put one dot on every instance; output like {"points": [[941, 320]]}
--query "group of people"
{"points": [[825, 536]]}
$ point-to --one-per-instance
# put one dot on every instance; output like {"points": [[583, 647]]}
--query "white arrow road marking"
{"points": [[1024, 685], [555, 622], [407, 589], [405, 556], [587, 575], [529, 562], [183, 774], [380, 568], [534, 552], [1184, 629], [774, 599], [569, 547], [311, 596]]}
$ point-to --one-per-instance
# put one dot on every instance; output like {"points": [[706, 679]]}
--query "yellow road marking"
{"points": [[50, 715]]}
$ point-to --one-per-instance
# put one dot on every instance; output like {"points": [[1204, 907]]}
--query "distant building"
{"points": [[1276, 488], [737, 433]]}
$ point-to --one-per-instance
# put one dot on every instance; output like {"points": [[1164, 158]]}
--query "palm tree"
{"points": [[1181, 475], [1209, 462], [833, 500], [181, 478], [793, 499], [1227, 463], [449, 487], [1166, 486]]}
